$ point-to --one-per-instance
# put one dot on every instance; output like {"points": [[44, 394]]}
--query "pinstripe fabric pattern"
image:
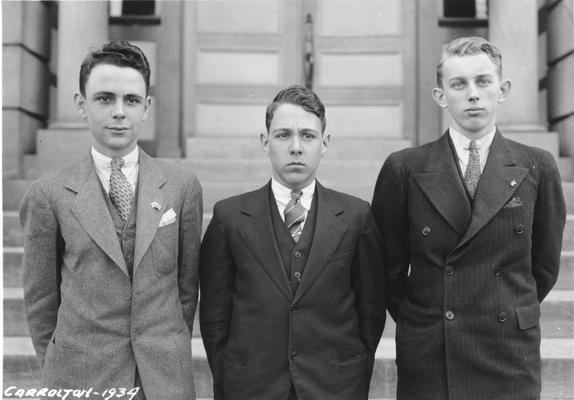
{"points": [[466, 283]]}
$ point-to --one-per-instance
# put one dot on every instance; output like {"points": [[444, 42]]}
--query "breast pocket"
{"points": [[164, 249]]}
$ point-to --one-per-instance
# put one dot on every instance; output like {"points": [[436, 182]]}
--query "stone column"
{"points": [[81, 25], [513, 27], [560, 44]]}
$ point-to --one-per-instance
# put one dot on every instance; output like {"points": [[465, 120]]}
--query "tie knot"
{"points": [[117, 163], [296, 194], [472, 145]]}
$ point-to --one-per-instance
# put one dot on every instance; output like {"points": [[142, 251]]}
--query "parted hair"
{"points": [[469, 46], [300, 96], [120, 53]]}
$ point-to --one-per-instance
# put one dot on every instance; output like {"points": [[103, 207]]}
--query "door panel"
{"points": [[238, 54]]}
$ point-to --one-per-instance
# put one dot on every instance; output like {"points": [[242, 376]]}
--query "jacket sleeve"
{"points": [[217, 276], [188, 252], [369, 282], [42, 263], [548, 227], [390, 209]]}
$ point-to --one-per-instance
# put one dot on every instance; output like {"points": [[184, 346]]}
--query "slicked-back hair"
{"points": [[120, 53], [469, 46], [300, 96]]}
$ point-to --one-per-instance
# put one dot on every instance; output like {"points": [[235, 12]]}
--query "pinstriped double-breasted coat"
{"points": [[466, 280]]}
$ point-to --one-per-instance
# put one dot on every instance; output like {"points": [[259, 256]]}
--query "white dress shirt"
{"points": [[283, 196], [103, 166], [461, 146]]}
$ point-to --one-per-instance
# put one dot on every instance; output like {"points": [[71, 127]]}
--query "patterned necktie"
{"points": [[120, 190], [472, 174], [295, 215]]}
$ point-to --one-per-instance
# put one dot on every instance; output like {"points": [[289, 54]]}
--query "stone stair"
{"points": [[231, 166]]}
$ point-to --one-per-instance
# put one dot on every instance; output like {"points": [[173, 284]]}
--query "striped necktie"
{"points": [[120, 190], [472, 173], [295, 215]]}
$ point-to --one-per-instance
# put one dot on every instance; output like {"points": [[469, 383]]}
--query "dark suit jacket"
{"points": [[90, 325], [465, 284], [259, 336]]}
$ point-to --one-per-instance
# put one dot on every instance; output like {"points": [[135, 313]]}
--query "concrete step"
{"points": [[566, 167], [340, 148], [548, 141], [21, 370]]}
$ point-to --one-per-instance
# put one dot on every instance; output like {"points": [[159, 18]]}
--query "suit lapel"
{"points": [[499, 180], [328, 233], [441, 183], [259, 237], [150, 182], [92, 212]]}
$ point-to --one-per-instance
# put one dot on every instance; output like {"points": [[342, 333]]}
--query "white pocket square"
{"points": [[167, 218]]}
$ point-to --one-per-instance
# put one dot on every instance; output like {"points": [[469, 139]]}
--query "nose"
{"points": [[118, 110], [296, 145], [472, 92]]}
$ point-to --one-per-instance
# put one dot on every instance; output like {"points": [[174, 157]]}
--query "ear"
{"points": [[504, 90], [325, 143], [438, 97], [264, 139], [80, 102], [147, 105]]}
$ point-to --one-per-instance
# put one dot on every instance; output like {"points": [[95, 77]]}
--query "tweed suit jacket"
{"points": [[91, 326], [465, 282], [260, 337]]}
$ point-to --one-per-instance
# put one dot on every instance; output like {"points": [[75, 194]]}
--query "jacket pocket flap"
{"points": [[528, 316]]}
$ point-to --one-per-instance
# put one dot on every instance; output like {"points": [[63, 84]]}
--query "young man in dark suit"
{"points": [[111, 249], [291, 275], [472, 226]]}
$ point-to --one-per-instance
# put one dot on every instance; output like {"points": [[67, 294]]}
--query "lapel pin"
{"points": [[156, 205], [513, 183]]}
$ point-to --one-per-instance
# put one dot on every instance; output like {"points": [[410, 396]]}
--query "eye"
{"points": [[458, 84], [132, 101], [483, 81], [104, 99], [281, 135], [308, 135]]}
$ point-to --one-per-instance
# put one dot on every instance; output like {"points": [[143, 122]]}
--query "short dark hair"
{"points": [[120, 53], [469, 46], [300, 96]]}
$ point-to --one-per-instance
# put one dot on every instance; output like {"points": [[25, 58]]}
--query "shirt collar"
{"points": [[283, 194], [103, 162], [461, 142]]}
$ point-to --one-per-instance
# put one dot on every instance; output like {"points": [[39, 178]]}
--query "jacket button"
{"points": [[294, 355], [502, 317], [297, 254], [449, 315], [297, 275], [497, 270], [294, 310], [426, 230], [449, 270], [127, 296], [519, 229]]}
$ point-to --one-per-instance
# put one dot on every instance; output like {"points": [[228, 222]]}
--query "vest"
{"points": [[126, 232], [293, 254]]}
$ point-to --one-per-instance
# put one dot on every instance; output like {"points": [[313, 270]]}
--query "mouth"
{"points": [[474, 109], [296, 164], [118, 129]]}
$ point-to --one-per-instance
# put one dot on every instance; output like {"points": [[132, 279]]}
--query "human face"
{"points": [[295, 144], [471, 91], [115, 105]]}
